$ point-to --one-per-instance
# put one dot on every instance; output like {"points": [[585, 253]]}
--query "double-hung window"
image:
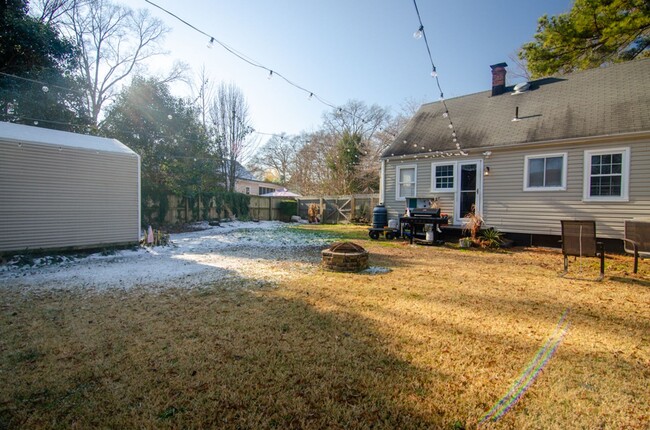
{"points": [[545, 172], [607, 173], [442, 177], [406, 182]]}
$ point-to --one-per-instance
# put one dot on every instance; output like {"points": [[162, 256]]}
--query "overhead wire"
{"points": [[254, 63], [434, 74]]}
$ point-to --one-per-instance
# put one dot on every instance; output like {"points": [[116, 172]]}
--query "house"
{"points": [[574, 146], [246, 183], [61, 190]]}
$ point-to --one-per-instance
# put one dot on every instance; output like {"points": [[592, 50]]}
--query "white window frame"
{"points": [[625, 175], [562, 187], [398, 191], [433, 177]]}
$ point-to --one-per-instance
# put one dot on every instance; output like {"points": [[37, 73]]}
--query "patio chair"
{"points": [[579, 240], [637, 239]]}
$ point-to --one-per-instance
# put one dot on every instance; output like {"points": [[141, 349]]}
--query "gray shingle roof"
{"points": [[598, 102]]}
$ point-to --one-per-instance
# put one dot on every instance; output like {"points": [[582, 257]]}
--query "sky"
{"points": [[345, 49]]}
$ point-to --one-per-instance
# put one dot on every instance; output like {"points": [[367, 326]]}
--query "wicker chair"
{"points": [[579, 239], [637, 240]]}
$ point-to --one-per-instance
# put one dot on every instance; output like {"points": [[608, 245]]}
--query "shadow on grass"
{"points": [[631, 281], [210, 358]]}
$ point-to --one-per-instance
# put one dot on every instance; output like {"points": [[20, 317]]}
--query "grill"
{"points": [[423, 225]]}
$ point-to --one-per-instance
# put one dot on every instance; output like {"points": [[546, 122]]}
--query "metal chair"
{"points": [[579, 239], [637, 239]]}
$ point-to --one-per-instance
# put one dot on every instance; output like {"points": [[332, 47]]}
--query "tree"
{"points": [[36, 84], [277, 158], [114, 40], [230, 129], [176, 156], [593, 33], [360, 131]]}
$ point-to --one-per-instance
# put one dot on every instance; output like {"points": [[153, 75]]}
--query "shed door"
{"points": [[470, 188]]}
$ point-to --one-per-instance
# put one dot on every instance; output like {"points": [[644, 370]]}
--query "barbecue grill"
{"points": [[417, 219]]}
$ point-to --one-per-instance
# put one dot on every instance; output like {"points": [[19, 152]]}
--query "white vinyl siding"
{"points": [[545, 172], [406, 182], [59, 197], [443, 177], [606, 175]]}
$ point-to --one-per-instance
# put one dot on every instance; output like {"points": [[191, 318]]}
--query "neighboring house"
{"points": [[246, 183], [568, 147], [61, 190]]}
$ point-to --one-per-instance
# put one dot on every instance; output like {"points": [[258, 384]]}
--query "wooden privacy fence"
{"points": [[336, 209], [180, 209], [333, 209], [266, 208]]}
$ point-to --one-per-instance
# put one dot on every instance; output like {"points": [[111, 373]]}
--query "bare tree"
{"points": [[356, 118], [47, 11], [277, 157], [114, 40], [203, 93], [232, 127]]}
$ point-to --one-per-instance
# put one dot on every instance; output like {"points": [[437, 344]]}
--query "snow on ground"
{"points": [[261, 252]]}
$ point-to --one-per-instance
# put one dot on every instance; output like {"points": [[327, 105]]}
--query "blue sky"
{"points": [[347, 49]]}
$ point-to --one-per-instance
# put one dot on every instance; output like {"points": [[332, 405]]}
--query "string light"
{"points": [[420, 33], [257, 64], [211, 43]]}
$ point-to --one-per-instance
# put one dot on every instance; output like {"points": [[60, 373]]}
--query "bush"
{"points": [[288, 208]]}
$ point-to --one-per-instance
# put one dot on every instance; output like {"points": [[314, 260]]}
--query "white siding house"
{"points": [[570, 147], [61, 190]]}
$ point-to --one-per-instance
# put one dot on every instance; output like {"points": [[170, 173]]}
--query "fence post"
{"points": [[270, 208], [321, 210], [353, 202]]}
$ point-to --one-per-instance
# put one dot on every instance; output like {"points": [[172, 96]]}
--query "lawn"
{"points": [[434, 343]]}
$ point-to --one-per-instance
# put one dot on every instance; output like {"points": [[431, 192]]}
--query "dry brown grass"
{"points": [[432, 344]]}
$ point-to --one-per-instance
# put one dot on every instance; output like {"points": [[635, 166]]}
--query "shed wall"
{"points": [[62, 197]]}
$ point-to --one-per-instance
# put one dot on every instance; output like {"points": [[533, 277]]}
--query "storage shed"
{"points": [[61, 190]]}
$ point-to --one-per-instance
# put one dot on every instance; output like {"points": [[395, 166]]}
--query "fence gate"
{"points": [[340, 209]]}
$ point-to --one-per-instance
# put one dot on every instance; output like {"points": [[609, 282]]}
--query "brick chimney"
{"points": [[498, 78]]}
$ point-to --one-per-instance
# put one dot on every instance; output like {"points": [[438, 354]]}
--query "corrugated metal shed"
{"points": [[61, 190]]}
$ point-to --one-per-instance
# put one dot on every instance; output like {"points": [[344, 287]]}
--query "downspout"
{"points": [[382, 184]]}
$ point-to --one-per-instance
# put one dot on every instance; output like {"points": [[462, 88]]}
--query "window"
{"points": [[406, 182], [545, 172], [248, 190], [266, 190], [442, 177], [607, 175]]}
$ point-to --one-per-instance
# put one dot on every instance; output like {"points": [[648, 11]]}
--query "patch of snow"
{"points": [[375, 270], [266, 251]]}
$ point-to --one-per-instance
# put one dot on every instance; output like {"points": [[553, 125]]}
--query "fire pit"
{"points": [[345, 257]]}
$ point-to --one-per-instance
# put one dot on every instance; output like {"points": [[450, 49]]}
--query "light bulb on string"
{"points": [[211, 43], [445, 114], [270, 74], [450, 125], [418, 34], [45, 88], [311, 96], [442, 97], [434, 73]]}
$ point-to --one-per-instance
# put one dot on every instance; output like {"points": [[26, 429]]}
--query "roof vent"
{"points": [[521, 87]]}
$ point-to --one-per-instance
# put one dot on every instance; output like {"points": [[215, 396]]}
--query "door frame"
{"points": [[458, 217]]}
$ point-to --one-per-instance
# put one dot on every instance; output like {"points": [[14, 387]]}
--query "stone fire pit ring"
{"points": [[345, 257]]}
